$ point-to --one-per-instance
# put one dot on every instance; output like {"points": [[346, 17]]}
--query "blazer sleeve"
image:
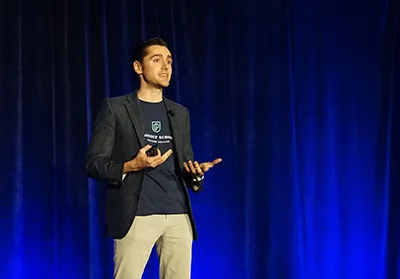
{"points": [[98, 163], [196, 187]]}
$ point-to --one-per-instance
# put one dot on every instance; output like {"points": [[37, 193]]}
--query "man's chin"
{"points": [[164, 84]]}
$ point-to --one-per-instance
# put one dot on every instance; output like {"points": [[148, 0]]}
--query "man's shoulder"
{"points": [[117, 99], [116, 103], [178, 107]]}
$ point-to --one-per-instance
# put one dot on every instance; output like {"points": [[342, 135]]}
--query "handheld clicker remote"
{"points": [[152, 151]]}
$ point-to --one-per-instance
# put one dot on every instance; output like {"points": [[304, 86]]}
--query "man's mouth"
{"points": [[164, 75]]}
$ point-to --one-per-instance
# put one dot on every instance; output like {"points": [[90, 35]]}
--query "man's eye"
{"points": [[156, 60]]}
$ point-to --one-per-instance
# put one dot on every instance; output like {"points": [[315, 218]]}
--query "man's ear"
{"points": [[138, 67]]}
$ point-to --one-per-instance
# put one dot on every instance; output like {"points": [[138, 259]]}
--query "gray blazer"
{"points": [[116, 138]]}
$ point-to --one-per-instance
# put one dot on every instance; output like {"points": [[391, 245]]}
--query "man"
{"points": [[141, 146]]}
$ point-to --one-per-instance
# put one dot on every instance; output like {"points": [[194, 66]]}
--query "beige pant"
{"points": [[173, 236]]}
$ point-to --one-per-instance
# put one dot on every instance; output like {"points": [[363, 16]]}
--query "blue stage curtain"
{"points": [[301, 99]]}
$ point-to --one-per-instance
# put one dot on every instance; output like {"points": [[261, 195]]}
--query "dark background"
{"points": [[299, 98]]}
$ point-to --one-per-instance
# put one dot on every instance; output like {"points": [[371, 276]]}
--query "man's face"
{"points": [[156, 68]]}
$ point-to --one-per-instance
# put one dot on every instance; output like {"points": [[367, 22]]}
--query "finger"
{"points": [[150, 161], [158, 160], [192, 169], [166, 155], [198, 169], [156, 163], [205, 166], [146, 148], [216, 161], [153, 160], [186, 167]]}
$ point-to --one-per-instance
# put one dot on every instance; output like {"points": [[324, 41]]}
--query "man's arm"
{"points": [[193, 171], [195, 186], [98, 163]]}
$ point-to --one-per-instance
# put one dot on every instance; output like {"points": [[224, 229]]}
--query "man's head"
{"points": [[153, 63]]}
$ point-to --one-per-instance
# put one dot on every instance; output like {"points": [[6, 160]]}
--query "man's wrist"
{"points": [[130, 166]]}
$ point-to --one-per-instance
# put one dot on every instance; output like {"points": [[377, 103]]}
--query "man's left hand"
{"points": [[196, 169]]}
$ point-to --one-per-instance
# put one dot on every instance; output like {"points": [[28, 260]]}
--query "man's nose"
{"points": [[165, 65]]}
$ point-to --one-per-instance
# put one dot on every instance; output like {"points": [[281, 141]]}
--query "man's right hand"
{"points": [[142, 161]]}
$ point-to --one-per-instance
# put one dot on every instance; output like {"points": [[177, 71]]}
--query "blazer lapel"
{"points": [[133, 109], [175, 127]]}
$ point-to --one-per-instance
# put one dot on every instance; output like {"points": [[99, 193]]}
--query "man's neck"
{"points": [[151, 95]]}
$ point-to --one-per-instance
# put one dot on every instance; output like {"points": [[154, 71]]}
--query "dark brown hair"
{"points": [[141, 50]]}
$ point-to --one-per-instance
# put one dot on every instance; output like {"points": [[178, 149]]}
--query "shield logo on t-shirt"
{"points": [[156, 126]]}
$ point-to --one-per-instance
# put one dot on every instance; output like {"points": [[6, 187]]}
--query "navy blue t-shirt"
{"points": [[161, 191]]}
